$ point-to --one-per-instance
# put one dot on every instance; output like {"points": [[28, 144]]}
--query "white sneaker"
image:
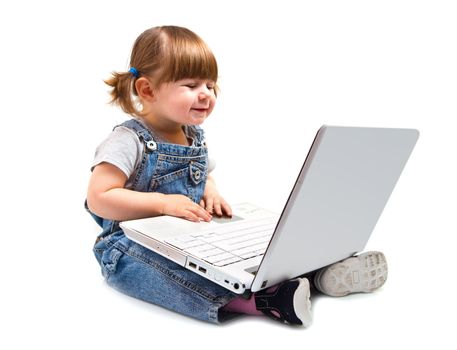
{"points": [[362, 273]]}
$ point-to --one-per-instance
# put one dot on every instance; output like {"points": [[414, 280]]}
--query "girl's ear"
{"points": [[144, 89]]}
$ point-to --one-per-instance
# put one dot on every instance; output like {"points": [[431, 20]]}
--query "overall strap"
{"points": [[143, 134], [197, 133]]}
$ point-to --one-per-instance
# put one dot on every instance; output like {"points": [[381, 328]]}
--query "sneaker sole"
{"points": [[302, 304], [359, 274]]}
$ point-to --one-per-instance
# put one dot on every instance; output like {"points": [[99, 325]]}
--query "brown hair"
{"points": [[165, 54]]}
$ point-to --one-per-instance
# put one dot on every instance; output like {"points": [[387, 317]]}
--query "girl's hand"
{"points": [[213, 202], [181, 206]]}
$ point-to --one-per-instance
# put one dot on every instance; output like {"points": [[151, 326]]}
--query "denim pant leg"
{"points": [[146, 275]]}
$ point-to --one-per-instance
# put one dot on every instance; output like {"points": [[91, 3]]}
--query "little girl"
{"points": [[157, 164]]}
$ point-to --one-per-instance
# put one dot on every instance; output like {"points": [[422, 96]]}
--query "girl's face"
{"points": [[185, 102]]}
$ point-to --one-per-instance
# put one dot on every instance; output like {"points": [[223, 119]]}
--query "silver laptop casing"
{"points": [[339, 195]]}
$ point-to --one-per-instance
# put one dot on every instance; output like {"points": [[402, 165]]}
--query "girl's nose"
{"points": [[204, 94]]}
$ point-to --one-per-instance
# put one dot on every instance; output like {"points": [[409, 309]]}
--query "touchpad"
{"points": [[226, 219]]}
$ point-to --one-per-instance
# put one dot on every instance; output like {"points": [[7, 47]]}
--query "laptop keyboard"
{"points": [[228, 245]]}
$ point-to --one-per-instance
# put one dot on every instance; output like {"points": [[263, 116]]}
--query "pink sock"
{"points": [[245, 306]]}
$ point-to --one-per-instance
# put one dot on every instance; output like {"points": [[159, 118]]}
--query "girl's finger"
{"points": [[227, 209], [189, 215], [217, 207], [201, 213], [209, 205]]}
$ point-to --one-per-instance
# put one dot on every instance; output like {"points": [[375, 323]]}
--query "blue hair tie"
{"points": [[134, 72]]}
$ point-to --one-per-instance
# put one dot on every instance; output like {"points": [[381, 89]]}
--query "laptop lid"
{"points": [[338, 197]]}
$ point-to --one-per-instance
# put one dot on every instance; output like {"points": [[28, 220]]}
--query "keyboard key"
{"points": [[249, 255], [200, 249], [204, 252], [228, 261], [219, 257], [253, 248], [184, 245]]}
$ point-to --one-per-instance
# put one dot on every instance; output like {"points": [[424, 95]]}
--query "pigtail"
{"points": [[123, 91]]}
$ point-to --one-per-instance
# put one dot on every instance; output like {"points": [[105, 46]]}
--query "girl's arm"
{"points": [[107, 198]]}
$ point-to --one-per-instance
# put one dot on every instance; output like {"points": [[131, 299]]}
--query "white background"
{"points": [[286, 67]]}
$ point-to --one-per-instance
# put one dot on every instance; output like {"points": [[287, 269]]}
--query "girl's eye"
{"points": [[195, 85]]}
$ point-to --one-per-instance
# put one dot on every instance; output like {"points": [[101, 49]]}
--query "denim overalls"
{"points": [[142, 273]]}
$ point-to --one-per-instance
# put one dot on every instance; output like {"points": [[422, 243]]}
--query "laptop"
{"points": [[339, 194]]}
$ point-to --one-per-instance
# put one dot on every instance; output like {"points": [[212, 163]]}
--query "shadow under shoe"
{"points": [[363, 273]]}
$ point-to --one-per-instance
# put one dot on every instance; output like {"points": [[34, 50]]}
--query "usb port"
{"points": [[191, 264], [201, 269]]}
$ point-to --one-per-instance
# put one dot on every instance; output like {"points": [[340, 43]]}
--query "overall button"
{"points": [[197, 174], [151, 145]]}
